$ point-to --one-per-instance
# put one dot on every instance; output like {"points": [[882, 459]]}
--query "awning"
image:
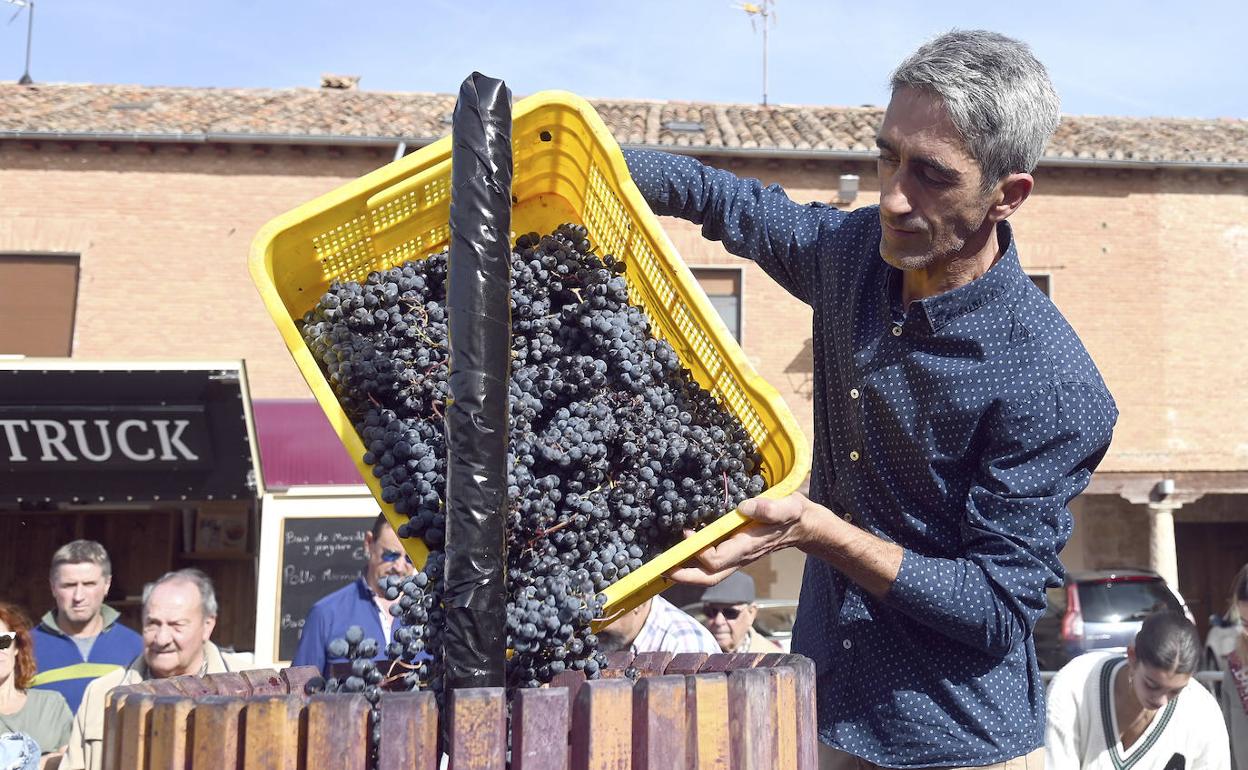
{"points": [[76, 431], [298, 446]]}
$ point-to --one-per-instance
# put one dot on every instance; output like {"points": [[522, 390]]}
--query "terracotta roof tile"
{"points": [[266, 114]]}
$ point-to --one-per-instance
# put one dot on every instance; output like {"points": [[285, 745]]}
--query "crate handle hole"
{"points": [[544, 136]]}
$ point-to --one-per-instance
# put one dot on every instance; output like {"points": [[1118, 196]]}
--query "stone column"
{"points": [[1162, 555]]}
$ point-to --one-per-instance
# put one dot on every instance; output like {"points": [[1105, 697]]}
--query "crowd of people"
{"points": [[1106, 709], [55, 676]]}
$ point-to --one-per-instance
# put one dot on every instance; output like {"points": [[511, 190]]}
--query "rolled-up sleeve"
{"points": [[1039, 455], [759, 223]]}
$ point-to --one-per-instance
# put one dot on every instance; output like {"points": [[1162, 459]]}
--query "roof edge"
{"points": [[703, 150]]}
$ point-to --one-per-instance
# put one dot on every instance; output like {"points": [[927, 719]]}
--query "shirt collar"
{"points": [[938, 311]]}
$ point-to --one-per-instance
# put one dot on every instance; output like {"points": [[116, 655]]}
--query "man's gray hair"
{"points": [[82, 552], [998, 95], [207, 595]]}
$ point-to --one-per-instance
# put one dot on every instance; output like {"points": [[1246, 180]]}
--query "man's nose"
{"points": [[893, 199]]}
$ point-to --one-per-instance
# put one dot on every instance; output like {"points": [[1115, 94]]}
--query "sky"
{"points": [[1106, 57]]}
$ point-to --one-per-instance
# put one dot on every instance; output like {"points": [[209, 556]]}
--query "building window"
{"points": [[38, 295], [1041, 280], [723, 286]]}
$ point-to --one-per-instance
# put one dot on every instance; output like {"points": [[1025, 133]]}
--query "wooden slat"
{"points": [[169, 749], [194, 686], [751, 718], [746, 660], [686, 663], [706, 720], [271, 732], [478, 729], [409, 724], [617, 661], [215, 731], [659, 730], [572, 680], [112, 727], [230, 683], [297, 678], [807, 722], [602, 725], [135, 713], [165, 687], [337, 726], [771, 660], [539, 729], [718, 663], [652, 663], [784, 715], [265, 681]]}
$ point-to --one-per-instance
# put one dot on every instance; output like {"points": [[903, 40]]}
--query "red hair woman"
{"points": [[40, 714]]}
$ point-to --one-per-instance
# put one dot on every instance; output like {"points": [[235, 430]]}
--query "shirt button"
{"points": [[853, 393], [853, 455], [848, 517], [897, 331], [847, 644]]}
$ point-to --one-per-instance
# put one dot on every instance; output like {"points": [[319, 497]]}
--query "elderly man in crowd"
{"points": [[179, 613], [730, 611], [81, 639]]}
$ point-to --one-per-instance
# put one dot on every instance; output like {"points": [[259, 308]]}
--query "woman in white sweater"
{"points": [[1141, 711]]}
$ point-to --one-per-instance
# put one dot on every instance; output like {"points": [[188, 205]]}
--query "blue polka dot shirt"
{"points": [[959, 427]]}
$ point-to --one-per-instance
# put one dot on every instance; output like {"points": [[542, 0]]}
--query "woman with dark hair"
{"points": [[40, 714], [1235, 676], [1142, 711]]}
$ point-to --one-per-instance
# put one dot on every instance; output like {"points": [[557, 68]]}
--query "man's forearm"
{"points": [[867, 560]]}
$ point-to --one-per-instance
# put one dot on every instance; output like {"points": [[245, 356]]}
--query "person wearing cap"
{"points": [[730, 611]]}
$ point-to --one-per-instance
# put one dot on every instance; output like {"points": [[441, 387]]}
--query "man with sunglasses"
{"points": [[730, 611], [359, 603]]}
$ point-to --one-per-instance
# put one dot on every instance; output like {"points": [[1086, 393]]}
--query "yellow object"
{"points": [[567, 168]]}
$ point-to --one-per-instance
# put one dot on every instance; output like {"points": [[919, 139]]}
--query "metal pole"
{"points": [[30, 33], [765, 15]]}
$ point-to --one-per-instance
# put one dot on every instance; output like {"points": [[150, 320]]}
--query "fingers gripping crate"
{"points": [[567, 168]]}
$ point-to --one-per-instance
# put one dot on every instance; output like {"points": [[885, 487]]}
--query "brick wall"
{"points": [[1150, 268]]}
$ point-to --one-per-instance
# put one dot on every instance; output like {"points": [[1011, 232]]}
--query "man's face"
{"points": [[729, 623], [79, 590], [623, 630], [931, 202], [175, 629], [386, 557]]}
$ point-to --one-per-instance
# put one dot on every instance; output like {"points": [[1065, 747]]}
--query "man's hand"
{"points": [[776, 524], [794, 521]]}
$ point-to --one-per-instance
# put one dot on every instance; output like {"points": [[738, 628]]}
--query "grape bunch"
{"points": [[614, 449]]}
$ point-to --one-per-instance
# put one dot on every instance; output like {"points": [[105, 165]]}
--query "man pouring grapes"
{"points": [[957, 414]]}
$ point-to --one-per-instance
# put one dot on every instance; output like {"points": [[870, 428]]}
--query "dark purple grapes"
{"points": [[614, 452]]}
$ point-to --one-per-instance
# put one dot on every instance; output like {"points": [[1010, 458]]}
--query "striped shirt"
{"points": [[668, 629]]}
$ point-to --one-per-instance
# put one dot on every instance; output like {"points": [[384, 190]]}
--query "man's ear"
{"points": [[209, 624], [368, 539], [1010, 194]]}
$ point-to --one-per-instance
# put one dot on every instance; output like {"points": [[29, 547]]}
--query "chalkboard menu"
{"points": [[319, 556]]}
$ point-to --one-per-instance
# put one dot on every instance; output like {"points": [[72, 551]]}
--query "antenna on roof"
{"points": [[767, 13], [30, 30]]}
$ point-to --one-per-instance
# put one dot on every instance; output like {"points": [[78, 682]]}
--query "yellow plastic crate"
{"points": [[568, 168]]}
